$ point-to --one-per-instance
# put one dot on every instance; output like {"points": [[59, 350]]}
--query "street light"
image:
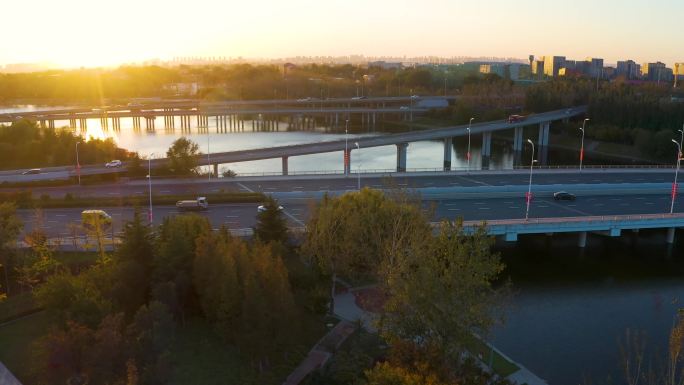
{"points": [[582, 146], [468, 154], [346, 145], [208, 150], [529, 187], [674, 185], [359, 171], [78, 165], [149, 183]]}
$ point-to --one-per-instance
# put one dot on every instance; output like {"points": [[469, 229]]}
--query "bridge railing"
{"points": [[556, 220]]}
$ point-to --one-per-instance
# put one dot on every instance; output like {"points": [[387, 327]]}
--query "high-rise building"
{"points": [[537, 69], [594, 67], [552, 64], [656, 72], [628, 68]]}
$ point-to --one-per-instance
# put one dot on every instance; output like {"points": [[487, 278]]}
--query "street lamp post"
{"points": [[359, 170], [529, 187], [208, 150], [674, 185], [149, 184], [78, 165], [346, 145], [582, 145], [468, 154]]}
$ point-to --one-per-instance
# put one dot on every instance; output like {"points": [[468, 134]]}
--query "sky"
{"points": [[85, 33]]}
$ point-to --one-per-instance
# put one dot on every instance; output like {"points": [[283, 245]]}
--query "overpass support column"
{"points": [[215, 170], [284, 162], [582, 242], [543, 142], [401, 157], [447, 154], [517, 145], [670, 235], [486, 149]]}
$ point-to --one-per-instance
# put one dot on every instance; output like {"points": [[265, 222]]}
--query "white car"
{"points": [[114, 163], [262, 208]]}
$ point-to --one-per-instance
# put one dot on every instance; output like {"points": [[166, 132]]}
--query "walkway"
{"points": [[6, 377]]}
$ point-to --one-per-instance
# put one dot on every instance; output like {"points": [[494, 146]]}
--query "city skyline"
{"points": [[77, 33]]}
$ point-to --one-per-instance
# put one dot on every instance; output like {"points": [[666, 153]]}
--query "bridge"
{"points": [[233, 114], [400, 140]]}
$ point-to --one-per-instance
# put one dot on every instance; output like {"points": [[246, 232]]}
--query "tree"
{"points": [[442, 292], [95, 226], [40, 262], [271, 225], [133, 265], [175, 251], [10, 227], [182, 156], [361, 234]]}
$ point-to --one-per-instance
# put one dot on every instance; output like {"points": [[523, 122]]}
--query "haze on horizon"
{"points": [[75, 33]]}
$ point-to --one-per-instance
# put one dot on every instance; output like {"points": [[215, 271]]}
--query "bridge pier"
{"points": [[284, 163], [83, 122], [216, 170], [116, 124], [511, 237], [401, 157], [149, 123], [447, 154], [582, 241], [543, 142], [486, 149], [670, 237], [51, 124]]}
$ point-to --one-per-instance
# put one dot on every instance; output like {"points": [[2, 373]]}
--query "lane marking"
{"points": [[293, 218], [245, 187]]}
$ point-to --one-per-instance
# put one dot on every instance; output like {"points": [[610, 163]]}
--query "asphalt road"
{"points": [[240, 216], [340, 183]]}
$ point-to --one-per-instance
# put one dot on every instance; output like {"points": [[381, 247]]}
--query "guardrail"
{"points": [[556, 220]]}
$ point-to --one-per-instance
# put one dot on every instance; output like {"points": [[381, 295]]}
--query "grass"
{"points": [[16, 306], [25, 200], [18, 338], [201, 358], [500, 364]]}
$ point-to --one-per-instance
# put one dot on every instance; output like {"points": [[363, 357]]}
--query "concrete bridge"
{"points": [[232, 114], [608, 225]]}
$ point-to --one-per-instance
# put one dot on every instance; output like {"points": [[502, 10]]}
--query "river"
{"points": [[571, 307]]}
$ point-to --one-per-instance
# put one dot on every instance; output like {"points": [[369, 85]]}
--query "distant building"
{"points": [[656, 72], [553, 64], [385, 65], [538, 69], [511, 71], [629, 69], [678, 73], [288, 67], [594, 67]]}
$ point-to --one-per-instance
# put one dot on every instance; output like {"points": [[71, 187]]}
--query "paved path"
{"points": [[6, 377]]}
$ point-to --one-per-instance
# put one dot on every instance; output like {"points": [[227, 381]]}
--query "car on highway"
{"points": [[93, 219], [308, 99], [415, 96], [114, 163], [193, 205], [516, 118], [404, 108], [263, 208], [31, 171], [359, 97], [563, 196]]}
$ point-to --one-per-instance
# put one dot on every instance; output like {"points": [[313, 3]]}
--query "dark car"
{"points": [[563, 196]]}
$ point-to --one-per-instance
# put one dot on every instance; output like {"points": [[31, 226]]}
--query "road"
{"points": [[241, 216], [322, 183]]}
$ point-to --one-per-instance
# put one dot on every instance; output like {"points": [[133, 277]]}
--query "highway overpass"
{"points": [[400, 140]]}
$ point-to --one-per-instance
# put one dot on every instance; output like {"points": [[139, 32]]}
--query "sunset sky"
{"points": [[76, 33]]}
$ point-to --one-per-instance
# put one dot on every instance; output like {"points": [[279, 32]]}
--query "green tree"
{"points": [[271, 225], [182, 156], [133, 265], [34, 267], [10, 227], [442, 292], [362, 234]]}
